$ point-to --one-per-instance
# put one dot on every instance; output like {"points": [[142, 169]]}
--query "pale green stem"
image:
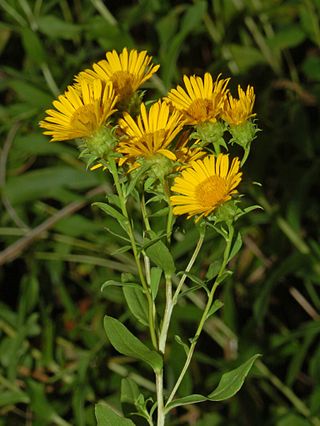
{"points": [[204, 316], [170, 303], [145, 214], [188, 268], [162, 348], [151, 308], [166, 316], [160, 409]]}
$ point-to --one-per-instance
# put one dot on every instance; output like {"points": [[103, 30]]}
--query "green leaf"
{"points": [[155, 277], [137, 303], [217, 304], [213, 270], [287, 37], [106, 416], [45, 183], [181, 343], [110, 211], [135, 178], [12, 397], [127, 344], [292, 419], [40, 405], [113, 283], [31, 94], [193, 278], [236, 247], [245, 56], [32, 45], [228, 386], [161, 256], [54, 27], [224, 276], [232, 381], [186, 400], [129, 391], [190, 20], [161, 212]]}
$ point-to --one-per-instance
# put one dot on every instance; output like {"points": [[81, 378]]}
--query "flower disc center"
{"points": [[212, 192]]}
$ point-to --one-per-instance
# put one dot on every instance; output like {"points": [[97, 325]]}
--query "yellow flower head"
{"points": [[187, 154], [80, 113], [238, 111], [202, 100], [127, 71], [150, 134], [205, 185]]}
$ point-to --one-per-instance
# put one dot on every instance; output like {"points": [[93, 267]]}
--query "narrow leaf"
{"points": [[106, 416], [186, 400], [110, 211], [223, 276], [161, 256], [127, 344], [32, 45], [112, 283], [232, 381], [236, 246], [217, 304], [129, 391], [155, 277], [229, 385], [137, 303]]}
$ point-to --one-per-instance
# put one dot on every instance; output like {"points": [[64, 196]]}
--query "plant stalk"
{"points": [[151, 308], [204, 315]]}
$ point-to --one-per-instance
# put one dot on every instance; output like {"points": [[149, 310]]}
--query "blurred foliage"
{"points": [[55, 361]]}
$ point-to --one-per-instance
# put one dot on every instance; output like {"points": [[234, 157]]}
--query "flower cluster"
{"points": [[179, 139]]}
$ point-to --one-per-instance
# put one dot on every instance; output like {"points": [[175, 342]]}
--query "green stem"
{"points": [[188, 268], [204, 315], [145, 214], [160, 409], [166, 316], [151, 308], [162, 348], [170, 303]]}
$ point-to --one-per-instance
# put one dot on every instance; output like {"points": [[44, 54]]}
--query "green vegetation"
{"points": [[55, 359]]}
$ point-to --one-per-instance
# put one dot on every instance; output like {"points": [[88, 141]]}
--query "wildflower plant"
{"points": [[174, 159]]}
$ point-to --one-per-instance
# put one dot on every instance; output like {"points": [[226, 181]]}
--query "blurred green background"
{"points": [[55, 361]]}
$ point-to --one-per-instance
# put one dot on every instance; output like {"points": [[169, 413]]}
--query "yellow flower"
{"points": [[127, 71], [203, 99], [205, 185], [187, 154], [150, 134], [238, 111], [80, 113]]}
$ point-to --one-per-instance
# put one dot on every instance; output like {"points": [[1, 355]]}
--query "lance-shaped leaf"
{"points": [[137, 303], [230, 383], [127, 344], [106, 416], [161, 256], [111, 211]]}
